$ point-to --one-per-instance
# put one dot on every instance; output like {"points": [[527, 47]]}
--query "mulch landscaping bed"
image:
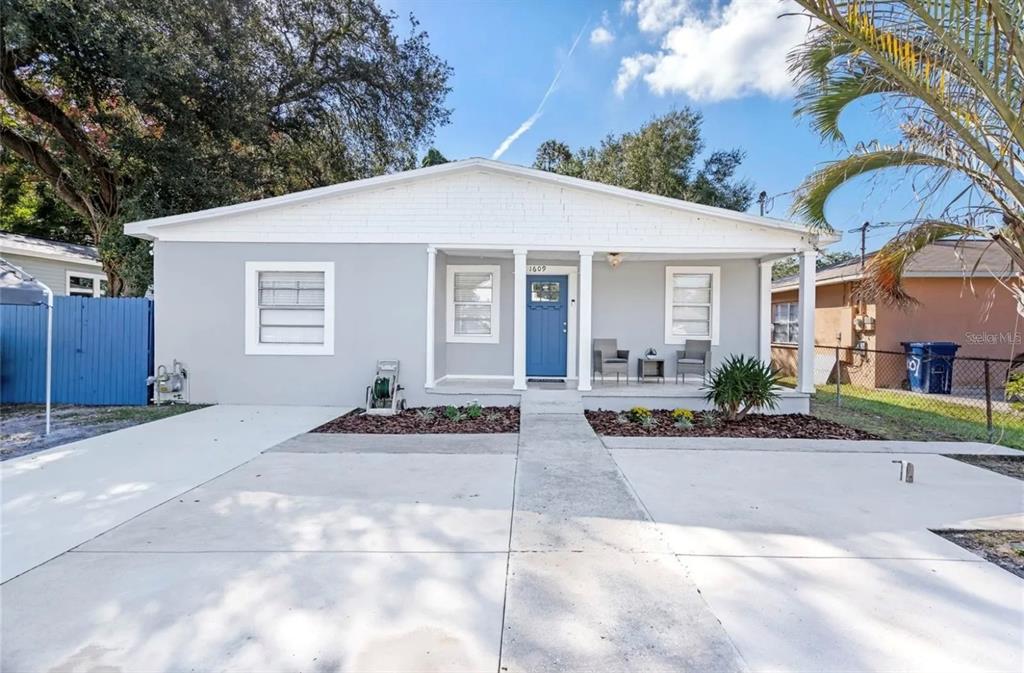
{"points": [[417, 421], [1005, 548], [1011, 466], [779, 426]]}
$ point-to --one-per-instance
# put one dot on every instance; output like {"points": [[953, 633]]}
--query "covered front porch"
{"points": [[505, 320]]}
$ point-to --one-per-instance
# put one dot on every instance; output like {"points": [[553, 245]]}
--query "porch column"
{"points": [[586, 348], [431, 309], [805, 352], [519, 320], [764, 313]]}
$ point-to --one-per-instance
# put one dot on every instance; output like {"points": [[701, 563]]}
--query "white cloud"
{"points": [[631, 67], [601, 36], [737, 51], [656, 16]]}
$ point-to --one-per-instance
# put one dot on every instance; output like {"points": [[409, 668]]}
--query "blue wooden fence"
{"points": [[102, 351]]}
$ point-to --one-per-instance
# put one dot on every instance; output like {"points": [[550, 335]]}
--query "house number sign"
{"points": [[536, 268]]}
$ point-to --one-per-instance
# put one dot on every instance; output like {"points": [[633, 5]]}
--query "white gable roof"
{"points": [[480, 202]]}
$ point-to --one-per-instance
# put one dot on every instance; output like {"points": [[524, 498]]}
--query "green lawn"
{"points": [[894, 414]]}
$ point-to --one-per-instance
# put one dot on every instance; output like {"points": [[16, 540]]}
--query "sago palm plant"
{"points": [[952, 72]]}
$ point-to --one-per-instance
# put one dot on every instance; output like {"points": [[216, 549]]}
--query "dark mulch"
{"points": [[1011, 466], [1005, 548], [418, 421], [781, 426]]}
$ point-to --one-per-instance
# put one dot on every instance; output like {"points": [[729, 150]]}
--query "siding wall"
{"points": [[51, 272], [481, 207], [629, 305], [380, 313]]}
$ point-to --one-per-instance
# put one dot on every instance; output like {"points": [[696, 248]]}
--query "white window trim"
{"points": [[96, 278], [494, 336], [252, 314], [796, 322], [716, 297]]}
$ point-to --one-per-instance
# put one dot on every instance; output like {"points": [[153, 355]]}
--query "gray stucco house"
{"points": [[66, 268], [479, 276]]}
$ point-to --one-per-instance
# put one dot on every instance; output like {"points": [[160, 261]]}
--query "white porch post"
{"points": [[431, 309], [805, 353], [519, 319], [764, 313], [586, 287]]}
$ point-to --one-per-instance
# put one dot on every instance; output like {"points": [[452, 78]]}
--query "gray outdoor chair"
{"points": [[608, 359], [693, 359]]}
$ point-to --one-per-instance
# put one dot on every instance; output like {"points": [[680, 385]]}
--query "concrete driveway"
{"points": [[546, 552], [56, 499]]}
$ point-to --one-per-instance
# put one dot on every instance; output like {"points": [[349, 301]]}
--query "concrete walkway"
{"points": [[592, 585], [56, 499]]}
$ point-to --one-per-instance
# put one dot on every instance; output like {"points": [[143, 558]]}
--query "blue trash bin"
{"points": [[930, 366]]}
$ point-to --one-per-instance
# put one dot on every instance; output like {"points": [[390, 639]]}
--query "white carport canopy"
{"points": [[20, 289]]}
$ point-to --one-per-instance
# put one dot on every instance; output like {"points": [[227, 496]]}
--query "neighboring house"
{"points": [[476, 275], [973, 310], [67, 269]]}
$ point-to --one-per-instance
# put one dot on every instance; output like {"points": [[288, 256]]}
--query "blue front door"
{"points": [[547, 326]]}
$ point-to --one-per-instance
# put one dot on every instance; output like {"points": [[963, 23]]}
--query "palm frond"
{"points": [[825, 103], [883, 276], [816, 189]]}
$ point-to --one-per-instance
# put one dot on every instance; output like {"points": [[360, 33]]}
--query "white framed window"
{"points": [[692, 295], [84, 284], [289, 308], [473, 296], [786, 322]]}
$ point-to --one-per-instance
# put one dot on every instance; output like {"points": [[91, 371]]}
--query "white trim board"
{"points": [[715, 307], [572, 272], [253, 346], [495, 336], [97, 278]]}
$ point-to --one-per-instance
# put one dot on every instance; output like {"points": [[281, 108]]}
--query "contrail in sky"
{"points": [[525, 126]]}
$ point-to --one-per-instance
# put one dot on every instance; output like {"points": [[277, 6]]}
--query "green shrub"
{"points": [[741, 384], [639, 414], [1015, 390], [710, 419], [473, 410], [426, 414], [453, 413], [646, 422], [682, 415]]}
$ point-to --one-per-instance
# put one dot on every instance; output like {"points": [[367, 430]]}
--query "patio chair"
{"points": [[693, 359], [608, 359]]}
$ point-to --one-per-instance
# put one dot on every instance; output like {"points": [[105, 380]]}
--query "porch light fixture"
{"points": [[614, 259]]}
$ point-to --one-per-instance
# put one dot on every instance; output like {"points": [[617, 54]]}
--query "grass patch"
{"points": [[90, 415], [894, 414]]}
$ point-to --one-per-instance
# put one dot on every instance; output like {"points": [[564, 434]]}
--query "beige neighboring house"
{"points": [[67, 269], [974, 311]]}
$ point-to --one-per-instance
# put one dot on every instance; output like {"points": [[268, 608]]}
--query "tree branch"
{"points": [[45, 110], [34, 153]]}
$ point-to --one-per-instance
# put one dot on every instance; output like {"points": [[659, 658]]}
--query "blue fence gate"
{"points": [[102, 351]]}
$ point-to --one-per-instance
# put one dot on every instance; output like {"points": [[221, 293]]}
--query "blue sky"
{"points": [[728, 65]]}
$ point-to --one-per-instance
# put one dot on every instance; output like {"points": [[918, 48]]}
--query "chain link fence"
{"points": [[966, 398]]}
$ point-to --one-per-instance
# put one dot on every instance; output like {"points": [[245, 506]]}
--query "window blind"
{"points": [[691, 304], [291, 307]]}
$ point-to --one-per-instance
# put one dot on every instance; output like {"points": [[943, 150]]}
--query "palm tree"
{"points": [[952, 71]]}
